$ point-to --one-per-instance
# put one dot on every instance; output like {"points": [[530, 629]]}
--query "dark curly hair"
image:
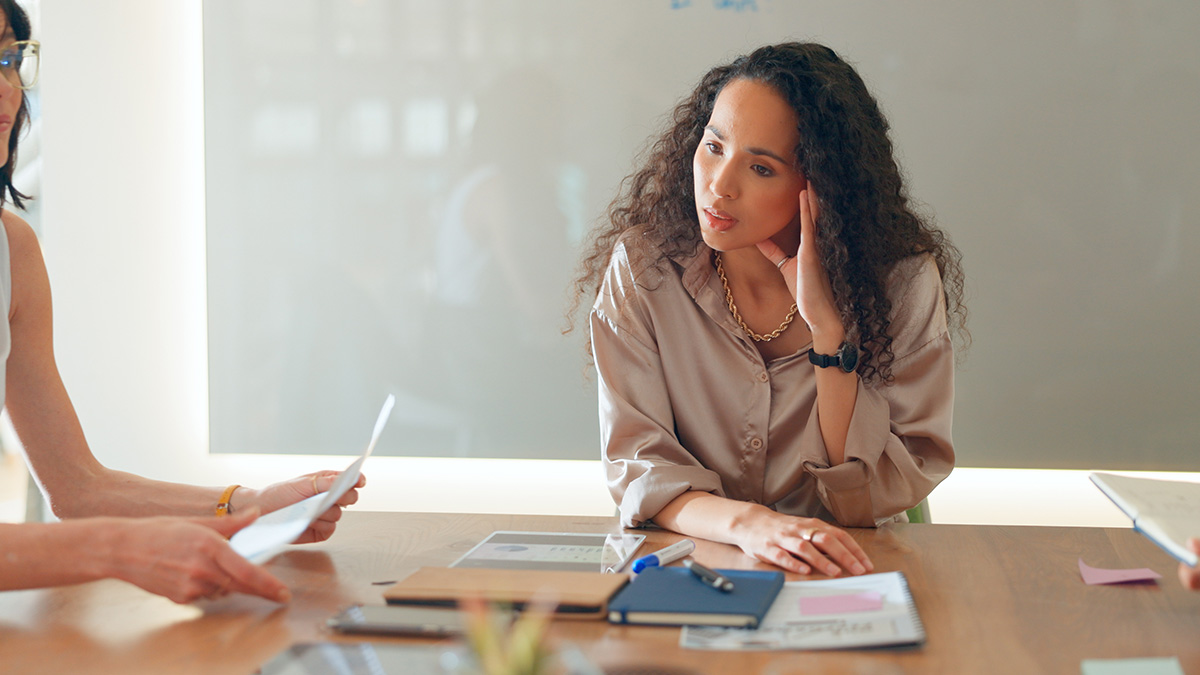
{"points": [[866, 223], [19, 22]]}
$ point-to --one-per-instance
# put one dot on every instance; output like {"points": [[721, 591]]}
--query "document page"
{"points": [[564, 551], [867, 611], [1166, 511], [271, 533]]}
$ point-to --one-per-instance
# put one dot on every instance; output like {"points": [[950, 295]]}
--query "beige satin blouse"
{"points": [[687, 402]]}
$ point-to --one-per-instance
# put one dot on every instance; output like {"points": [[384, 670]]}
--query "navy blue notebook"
{"points": [[673, 596]]}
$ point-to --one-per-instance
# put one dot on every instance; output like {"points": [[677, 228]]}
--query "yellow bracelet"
{"points": [[223, 505]]}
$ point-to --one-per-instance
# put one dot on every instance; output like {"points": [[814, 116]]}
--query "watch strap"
{"points": [[845, 359], [824, 360]]}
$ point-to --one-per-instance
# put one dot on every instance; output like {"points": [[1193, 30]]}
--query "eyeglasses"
{"points": [[19, 63]]}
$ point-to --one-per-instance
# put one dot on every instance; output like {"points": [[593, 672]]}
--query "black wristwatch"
{"points": [[846, 358]]}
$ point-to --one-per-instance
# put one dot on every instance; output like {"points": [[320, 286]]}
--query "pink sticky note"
{"points": [[1095, 575], [867, 601]]}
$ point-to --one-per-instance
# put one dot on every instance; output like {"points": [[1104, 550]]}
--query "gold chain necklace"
{"points": [[787, 321]]}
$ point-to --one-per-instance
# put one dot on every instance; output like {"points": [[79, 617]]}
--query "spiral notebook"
{"points": [[873, 610]]}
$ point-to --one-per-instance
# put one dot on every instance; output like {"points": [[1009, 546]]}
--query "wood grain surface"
{"points": [[993, 600]]}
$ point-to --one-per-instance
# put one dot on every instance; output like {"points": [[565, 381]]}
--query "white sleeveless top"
{"points": [[5, 302]]}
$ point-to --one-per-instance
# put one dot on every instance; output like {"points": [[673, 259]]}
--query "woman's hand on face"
{"points": [[802, 545], [288, 492], [805, 274], [186, 559]]}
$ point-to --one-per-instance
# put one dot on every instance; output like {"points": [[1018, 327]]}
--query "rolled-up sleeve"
{"points": [[899, 444], [645, 464]]}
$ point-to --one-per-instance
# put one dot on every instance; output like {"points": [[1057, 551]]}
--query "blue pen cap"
{"points": [[644, 562], [670, 554]]}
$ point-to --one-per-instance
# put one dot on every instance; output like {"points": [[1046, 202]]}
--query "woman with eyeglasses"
{"points": [[167, 538]]}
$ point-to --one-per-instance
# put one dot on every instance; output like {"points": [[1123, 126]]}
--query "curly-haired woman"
{"points": [[772, 328]]}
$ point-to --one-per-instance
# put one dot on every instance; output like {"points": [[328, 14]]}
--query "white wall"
{"points": [[124, 240]]}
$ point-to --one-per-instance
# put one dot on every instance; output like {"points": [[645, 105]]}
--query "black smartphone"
{"points": [[391, 620]]}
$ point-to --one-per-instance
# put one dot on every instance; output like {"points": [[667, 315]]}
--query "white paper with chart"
{"points": [[873, 610], [562, 551]]}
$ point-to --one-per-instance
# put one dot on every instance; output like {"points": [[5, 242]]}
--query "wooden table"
{"points": [[993, 599]]}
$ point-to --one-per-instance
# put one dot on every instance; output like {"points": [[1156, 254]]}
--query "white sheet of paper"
{"points": [[271, 533], [786, 627], [1168, 512]]}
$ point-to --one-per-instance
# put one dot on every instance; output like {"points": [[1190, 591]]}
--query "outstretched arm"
{"points": [[76, 482], [180, 558]]}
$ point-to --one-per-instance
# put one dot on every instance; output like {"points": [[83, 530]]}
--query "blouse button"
{"points": [[762, 377], [756, 443]]}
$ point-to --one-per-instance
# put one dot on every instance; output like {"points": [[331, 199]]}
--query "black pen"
{"points": [[709, 577]]}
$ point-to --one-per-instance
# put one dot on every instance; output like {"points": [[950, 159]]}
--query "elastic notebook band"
{"points": [[223, 503]]}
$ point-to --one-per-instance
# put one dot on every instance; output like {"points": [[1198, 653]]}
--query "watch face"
{"points": [[849, 357]]}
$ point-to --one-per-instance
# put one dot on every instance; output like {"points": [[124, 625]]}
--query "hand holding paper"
{"points": [[271, 534], [286, 493]]}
